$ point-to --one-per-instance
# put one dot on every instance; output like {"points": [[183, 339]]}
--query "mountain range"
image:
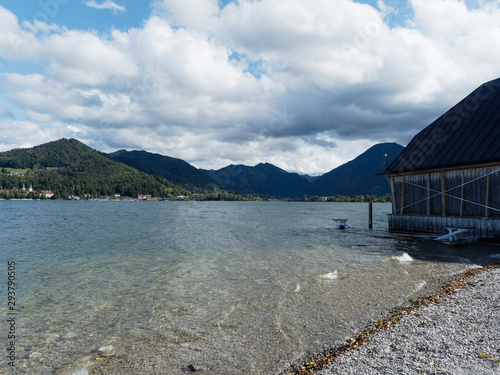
{"points": [[357, 177], [174, 170], [71, 167], [264, 178]]}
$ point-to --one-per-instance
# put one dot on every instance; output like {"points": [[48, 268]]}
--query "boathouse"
{"points": [[449, 174]]}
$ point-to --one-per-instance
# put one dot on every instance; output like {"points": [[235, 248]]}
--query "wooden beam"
{"points": [[393, 191], [488, 197], [402, 196], [444, 198], [428, 201], [493, 164], [462, 195]]}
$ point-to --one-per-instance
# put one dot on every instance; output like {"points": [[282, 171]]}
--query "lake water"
{"points": [[227, 287]]}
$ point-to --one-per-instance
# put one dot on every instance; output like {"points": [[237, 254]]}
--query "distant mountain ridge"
{"points": [[356, 177], [174, 170], [264, 178], [359, 176]]}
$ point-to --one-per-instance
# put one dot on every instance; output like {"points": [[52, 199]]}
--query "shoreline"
{"points": [[126, 366], [338, 359]]}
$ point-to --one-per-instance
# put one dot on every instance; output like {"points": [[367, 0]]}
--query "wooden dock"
{"points": [[486, 227]]}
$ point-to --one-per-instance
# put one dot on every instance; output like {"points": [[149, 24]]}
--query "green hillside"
{"points": [[175, 170], [69, 167]]}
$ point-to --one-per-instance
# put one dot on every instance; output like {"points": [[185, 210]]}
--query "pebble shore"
{"points": [[455, 331]]}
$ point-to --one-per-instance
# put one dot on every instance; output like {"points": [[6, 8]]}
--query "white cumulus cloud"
{"points": [[107, 4], [303, 84]]}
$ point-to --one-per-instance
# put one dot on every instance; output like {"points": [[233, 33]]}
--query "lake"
{"points": [[226, 287]]}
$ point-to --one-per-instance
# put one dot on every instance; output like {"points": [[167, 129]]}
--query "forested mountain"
{"points": [[264, 178], [56, 154], [174, 170], [69, 167], [359, 176]]}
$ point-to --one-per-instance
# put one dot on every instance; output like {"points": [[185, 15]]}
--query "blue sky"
{"points": [[74, 14], [304, 84], [77, 14]]}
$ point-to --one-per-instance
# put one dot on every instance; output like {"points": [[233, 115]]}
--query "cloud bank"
{"points": [[303, 84]]}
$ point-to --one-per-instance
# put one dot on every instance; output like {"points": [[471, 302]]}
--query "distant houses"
{"points": [[35, 193], [48, 193], [449, 174], [30, 193], [38, 194], [6, 193]]}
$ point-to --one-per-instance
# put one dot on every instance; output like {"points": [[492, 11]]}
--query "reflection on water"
{"points": [[227, 287]]}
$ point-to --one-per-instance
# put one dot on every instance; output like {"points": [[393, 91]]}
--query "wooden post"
{"points": [[488, 197], [444, 200], [462, 195], [393, 192], [370, 215], [402, 197], [428, 201]]}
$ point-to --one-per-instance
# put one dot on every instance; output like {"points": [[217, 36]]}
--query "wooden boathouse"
{"points": [[449, 174]]}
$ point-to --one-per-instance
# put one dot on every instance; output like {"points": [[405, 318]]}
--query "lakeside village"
{"points": [[32, 194], [213, 193]]}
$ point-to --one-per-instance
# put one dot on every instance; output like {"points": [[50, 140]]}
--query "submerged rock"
{"points": [[106, 351], [190, 368]]}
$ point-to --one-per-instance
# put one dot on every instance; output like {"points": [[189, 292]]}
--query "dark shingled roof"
{"points": [[468, 133]]}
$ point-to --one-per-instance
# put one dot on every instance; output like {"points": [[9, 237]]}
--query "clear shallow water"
{"points": [[228, 287]]}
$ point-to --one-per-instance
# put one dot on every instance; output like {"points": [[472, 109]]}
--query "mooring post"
{"points": [[370, 214]]}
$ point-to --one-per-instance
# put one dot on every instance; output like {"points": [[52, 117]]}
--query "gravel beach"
{"points": [[457, 334]]}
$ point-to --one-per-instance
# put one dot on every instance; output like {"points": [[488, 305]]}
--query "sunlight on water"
{"points": [[405, 258], [330, 275], [227, 287]]}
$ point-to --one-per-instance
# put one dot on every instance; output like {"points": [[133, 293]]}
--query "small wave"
{"points": [[405, 258], [330, 276], [495, 256], [297, 289]]}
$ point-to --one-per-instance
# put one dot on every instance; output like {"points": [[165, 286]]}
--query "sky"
{"points": [[306, 85]]}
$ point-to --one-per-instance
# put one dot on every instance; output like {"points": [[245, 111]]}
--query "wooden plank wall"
{"points": [[486, 228], [411, 199]]}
